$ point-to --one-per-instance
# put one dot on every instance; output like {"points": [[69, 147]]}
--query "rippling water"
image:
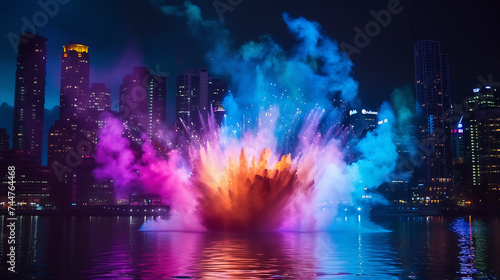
{"points": [[114, 248]]}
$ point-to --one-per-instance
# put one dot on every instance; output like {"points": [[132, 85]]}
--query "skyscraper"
{"points": [[197, 92], [191, 95], [74, 82], [432, 90], [29, 96], [73, 123], [461, 167], [482, 139], [143, 103], [73, 138]]}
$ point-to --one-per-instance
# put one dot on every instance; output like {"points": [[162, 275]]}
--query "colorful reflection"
{"points": [[472, 244]]}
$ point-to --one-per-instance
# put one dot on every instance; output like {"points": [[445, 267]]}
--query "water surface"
{"points": [[114, 248]]}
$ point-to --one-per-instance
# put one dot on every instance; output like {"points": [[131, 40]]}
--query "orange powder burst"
{"points": [[245, 195]]}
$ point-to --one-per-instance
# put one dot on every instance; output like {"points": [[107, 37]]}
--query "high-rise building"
{"points": [[482, 99], [74, 82], [192, 90], [488, 132], [99, 102], [461, 166], [197, 94], [4, 140], [74, 121], [432, 88], [73, 138], [143, 103], [457, 137], [482, 138], [29, 96]]}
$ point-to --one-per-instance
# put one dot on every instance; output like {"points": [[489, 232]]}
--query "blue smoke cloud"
{"points": [[379, 154], [312, 75]]}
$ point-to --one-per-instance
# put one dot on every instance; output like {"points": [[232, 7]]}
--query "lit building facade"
{"points": [[461, 166], [198, 93], [74, 98], [143, 103], [434, 129], [99, 102], [29, 99], [488, 137], [34, 183], [482, 139], [68, 136]]}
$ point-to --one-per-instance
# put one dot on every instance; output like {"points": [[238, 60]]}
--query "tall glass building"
{"points": [[74, 82], [432, 88], [29, 96]]}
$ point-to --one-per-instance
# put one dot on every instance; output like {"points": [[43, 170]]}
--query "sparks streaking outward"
{"points": [[250, 187], [278, 161]]}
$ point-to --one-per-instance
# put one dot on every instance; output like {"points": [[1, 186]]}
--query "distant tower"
{"points": [[143, 102], [433, 100], [74, 82], [196, 93], [29, 96]]}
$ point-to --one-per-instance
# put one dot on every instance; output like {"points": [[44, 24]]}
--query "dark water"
{"points": [[113, 248]]}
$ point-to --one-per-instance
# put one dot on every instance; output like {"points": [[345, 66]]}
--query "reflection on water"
{"points": [[243, 256], [472, 244], [114, 248]]}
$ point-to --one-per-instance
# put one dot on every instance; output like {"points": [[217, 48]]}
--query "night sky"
{"points": [[125, 33]]}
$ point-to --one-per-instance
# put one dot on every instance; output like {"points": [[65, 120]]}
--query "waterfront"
{"points": [[52, 247]]}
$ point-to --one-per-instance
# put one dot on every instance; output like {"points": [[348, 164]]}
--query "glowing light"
{"points": [[365, 112], [76, 47]]}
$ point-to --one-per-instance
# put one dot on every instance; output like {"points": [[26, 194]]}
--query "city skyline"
{"points": [[144, 106], [396, 46]]}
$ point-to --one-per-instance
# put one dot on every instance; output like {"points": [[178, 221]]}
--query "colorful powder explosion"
{"points": [[277, 162]]}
